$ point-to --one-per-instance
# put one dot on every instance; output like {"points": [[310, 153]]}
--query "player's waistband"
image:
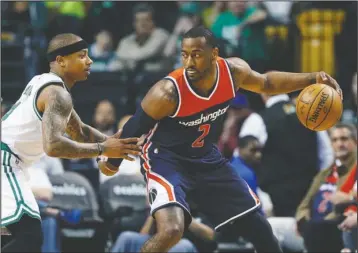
{"points": [[6, 148]]}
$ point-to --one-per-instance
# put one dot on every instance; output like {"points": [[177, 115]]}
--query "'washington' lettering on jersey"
{"points": [[21, 125], [196, 124]]}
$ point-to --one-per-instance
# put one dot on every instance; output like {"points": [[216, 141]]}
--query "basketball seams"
{"points": [[309, 109], [329, 109]]}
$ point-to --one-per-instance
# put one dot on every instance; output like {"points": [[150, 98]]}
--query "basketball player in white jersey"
{"points": [[36, 125]]}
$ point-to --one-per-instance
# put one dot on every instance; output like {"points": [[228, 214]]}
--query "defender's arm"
{"points": [[276, 82], [57, 107], [82, 132]]}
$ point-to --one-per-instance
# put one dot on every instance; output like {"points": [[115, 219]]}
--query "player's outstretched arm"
{"points": [[56, 105], [161, 101], [276, 82], [82, 132]]}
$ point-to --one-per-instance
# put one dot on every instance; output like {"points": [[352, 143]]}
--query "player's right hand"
{"points": [[114, 147]]}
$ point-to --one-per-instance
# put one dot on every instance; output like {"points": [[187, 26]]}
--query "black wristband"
{"points": [[100, 150]]}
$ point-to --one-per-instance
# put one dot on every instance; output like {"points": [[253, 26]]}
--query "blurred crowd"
{"points": [[306, 180]]}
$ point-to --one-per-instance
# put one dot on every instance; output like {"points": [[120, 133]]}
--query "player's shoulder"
{"points": [[238, 64], [176, 74], [46, 78], [166, 89]]}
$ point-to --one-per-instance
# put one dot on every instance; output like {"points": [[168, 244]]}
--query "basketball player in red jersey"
{"points": [[182, 115]]}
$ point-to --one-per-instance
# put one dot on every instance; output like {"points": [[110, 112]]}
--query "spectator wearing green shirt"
{"points": [[233, 27]]}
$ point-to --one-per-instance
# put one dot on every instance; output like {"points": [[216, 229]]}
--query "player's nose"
{"points": [[89, 61], [189, 62]]}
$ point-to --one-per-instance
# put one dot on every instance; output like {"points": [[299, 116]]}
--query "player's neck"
{"points": [[67, 81], [206, 84]]}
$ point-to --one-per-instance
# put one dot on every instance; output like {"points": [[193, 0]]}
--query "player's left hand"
{"points": [[323, 77]]}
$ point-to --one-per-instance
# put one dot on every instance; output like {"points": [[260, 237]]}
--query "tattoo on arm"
{"points": [[54, 122], [81, 132], [170, 94], [92, 135]]}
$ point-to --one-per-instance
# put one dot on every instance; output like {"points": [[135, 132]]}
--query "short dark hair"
{"points": [[143, 7], [243, 142], [62, 40], [201, 31], [352, 129]]}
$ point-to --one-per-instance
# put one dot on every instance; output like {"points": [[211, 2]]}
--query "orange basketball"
{"points": [[319, 107]]}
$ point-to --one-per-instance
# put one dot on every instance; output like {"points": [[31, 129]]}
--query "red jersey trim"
{"points": [[212, 92]]}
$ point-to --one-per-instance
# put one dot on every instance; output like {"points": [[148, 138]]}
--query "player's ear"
{"points": [[60, 60], [215, 54]]}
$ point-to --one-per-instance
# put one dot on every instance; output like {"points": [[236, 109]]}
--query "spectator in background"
{"points": [[210, 13], [349, 115], [278, 11], [233, 24], [51, 165], [189, 16], [250, 153], [316, 218], [346, 198], [67, 16], [145, 45], [238, 111], [17, 11], [104, 118], [292, 154], [349, 228], [101, 52], [42, 190], [133, 241]]}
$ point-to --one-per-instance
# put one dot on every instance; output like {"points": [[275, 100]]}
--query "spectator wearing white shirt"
{"points": [[290, 155], [255, 126]]}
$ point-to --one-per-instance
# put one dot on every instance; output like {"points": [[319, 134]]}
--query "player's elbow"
{"points": [[51, 149]]}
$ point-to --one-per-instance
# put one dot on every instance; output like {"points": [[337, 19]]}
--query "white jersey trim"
{"points": [[36, 94]]}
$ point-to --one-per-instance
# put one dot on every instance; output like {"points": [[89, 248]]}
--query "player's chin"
{"points": [[85, 76], [194, 77]]}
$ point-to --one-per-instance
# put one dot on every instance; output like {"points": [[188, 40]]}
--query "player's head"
{"points": [[250, 150], [344, 140], [68, 53], [199, 52]]}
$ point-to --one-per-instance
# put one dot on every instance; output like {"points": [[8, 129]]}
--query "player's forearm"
{"points": [[63, 147], [285, 82], [91, 134]]}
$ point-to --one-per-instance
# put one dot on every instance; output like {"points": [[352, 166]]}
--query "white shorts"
{"points": [[16, 194]]}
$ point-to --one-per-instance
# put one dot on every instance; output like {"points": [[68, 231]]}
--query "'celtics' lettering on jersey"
{"points": [[21, 125], [197, 122]]}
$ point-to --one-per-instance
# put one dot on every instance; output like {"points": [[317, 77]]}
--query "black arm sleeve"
{"points": [[140, 123]]}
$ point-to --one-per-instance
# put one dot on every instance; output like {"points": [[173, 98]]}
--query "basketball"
{"points": [[319, 107]]}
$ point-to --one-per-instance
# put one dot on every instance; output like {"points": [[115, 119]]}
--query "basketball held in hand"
{"points": [[319, 107]]}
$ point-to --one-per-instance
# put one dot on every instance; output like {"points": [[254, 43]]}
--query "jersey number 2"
{"points": [[199, 142]]}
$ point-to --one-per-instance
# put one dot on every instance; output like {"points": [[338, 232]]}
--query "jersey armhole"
{"points": [[231, 77], [37, 112], [179, 96]]}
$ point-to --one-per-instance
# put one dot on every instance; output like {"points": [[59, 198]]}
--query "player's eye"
{"points": [[197, 56], [184, 55]]}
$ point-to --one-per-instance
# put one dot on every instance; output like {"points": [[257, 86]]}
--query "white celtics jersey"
{"points": [[21, 125]]}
